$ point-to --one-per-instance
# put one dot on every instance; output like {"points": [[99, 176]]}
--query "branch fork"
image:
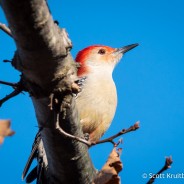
{"points": [[89, 143]]}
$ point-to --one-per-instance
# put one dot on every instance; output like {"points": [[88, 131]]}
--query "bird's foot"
{"points": [[86, 136]]}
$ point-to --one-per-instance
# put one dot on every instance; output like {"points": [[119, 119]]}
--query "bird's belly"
{"points": [[97, 108]]}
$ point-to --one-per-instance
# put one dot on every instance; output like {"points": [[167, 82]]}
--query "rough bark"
{"points": [[44, 59]]}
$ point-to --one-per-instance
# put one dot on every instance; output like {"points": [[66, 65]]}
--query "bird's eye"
{"points": [[101, 51]]}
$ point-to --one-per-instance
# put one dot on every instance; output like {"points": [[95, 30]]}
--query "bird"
{"points": [[97, 101]]}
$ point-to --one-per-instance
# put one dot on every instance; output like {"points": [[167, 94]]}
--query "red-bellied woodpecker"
{"points": [[97, 101]]}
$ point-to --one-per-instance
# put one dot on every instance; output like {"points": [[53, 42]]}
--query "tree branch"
{"points": [[82, 140], [4, 28], [89, 143], [167, 165], [14, 85], [44, 59], [124, 131], [18, 88]]}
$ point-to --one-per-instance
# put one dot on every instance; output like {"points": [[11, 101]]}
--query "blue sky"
{"points": [[149, 80]]}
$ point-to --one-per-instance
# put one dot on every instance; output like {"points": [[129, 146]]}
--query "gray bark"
{"points": [[44, 59]]}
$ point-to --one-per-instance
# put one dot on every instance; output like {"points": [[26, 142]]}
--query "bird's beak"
{"points": [[126, 48]]}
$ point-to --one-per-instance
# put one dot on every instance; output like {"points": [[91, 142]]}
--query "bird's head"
{"points": [[100, 57]]}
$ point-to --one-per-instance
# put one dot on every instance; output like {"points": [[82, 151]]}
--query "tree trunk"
{"points": [[47, 67]]}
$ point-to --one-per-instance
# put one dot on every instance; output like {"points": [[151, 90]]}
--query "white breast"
{"points": [[97, 102]]}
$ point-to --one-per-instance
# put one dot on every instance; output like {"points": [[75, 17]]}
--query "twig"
{"points": [[14, 85], [4, 28], [88, 143], [11, 95], [124, 131], [166, 166], [18, 88], [6, 61]]}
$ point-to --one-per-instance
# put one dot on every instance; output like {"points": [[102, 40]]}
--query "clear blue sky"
{"points": [[149, 80]]}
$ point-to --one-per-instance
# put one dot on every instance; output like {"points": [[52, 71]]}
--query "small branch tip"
{"points": [[167, 165], [4, 28], [123, 131], [168, 162]]}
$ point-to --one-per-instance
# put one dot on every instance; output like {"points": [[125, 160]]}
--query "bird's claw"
{"points": [[86, 136]]}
